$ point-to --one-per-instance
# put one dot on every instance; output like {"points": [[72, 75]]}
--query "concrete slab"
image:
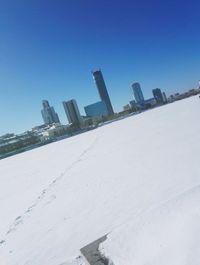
{"points": [[92, 255]]}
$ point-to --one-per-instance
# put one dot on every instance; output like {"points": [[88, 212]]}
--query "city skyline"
{"points": [[83, 111], [49, 49]]}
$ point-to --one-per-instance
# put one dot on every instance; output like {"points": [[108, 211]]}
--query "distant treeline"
{"points": [[18, 143]]}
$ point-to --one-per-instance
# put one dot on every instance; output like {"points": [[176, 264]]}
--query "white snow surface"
{"points": [[136, 179]]}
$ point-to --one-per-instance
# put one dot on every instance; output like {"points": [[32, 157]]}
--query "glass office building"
{"points": [[48, 113], [137, 91], [97, 109], [72, 112]]}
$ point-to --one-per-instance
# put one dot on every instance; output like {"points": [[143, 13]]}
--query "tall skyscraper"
{"points": [[137, 91], [158, 95], [103, 93], [48, 113], [164, 97], [72, 112]]}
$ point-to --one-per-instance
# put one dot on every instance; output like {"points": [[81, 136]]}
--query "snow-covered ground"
{"points": [[136, 179]]}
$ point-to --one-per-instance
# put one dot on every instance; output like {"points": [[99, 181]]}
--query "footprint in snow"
{"points": [[18, 220], [2, 242]]}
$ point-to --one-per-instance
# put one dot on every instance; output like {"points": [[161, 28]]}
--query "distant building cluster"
{"points": [[102, 109], [96, 113], [159, 98], [93, 111], [179, 96]]}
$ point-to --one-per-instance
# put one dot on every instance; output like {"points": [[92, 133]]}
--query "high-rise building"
{"points": [[157, 93], [103, 93], [97, 109], [72, 112], [45, 104], [48, 113], [137, 91], [164, 97]]}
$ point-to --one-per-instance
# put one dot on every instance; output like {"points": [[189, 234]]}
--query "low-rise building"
{"points": [[52, 132], [97, 109]]}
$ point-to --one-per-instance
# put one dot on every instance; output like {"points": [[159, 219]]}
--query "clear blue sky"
{"points": [[49, 47]]}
